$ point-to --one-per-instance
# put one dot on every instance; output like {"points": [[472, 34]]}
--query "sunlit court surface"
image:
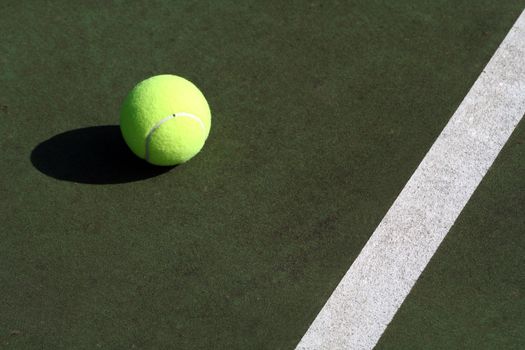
{"points": [[361, 185]]}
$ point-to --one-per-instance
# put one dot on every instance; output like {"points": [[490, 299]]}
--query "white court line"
{"points": [[373, 289]]}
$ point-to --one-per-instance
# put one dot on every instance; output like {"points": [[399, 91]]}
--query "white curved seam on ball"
{"points": [[191, 116], [162, 121]]}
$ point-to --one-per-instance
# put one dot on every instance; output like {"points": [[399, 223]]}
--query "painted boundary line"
{"points": [[367, 298]]}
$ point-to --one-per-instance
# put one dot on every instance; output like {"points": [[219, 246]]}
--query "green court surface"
{"points": [[471, 295], [321, 111]]}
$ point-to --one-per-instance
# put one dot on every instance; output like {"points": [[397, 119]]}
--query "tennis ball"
{"points": [[165, 120]]}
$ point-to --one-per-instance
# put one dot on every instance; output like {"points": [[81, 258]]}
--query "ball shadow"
{"points": [[93, 155]]}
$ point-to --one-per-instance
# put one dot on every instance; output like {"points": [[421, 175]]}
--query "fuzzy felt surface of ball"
{"points": [[165, 120]]}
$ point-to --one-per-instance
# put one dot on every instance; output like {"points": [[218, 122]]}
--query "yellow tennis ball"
{"points": [[165, 120]]}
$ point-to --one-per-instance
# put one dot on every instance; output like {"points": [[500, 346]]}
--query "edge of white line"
{"points": [[369, 295]]}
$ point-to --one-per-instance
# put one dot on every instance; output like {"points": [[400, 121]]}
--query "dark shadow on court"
{"points": [[93, 155]]}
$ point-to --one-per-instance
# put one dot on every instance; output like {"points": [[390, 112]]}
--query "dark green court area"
{"points": [[321, 111]]}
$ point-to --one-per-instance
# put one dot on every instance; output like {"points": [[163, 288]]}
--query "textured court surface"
{"points": [[322, 112]]}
